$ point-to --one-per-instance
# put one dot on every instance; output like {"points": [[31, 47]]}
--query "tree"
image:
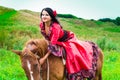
{"points": [[105, 20], [117, 21]]}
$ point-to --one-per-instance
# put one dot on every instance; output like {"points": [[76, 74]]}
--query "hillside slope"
{"points": [[26, 23]]}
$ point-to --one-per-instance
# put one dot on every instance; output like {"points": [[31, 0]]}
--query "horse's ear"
{"points": [[18, 52]]}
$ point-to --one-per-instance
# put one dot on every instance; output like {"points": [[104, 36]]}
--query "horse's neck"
{"points": [[43, 48]]}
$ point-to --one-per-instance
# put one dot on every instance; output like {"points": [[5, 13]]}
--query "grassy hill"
{"points": [[16, 27]]}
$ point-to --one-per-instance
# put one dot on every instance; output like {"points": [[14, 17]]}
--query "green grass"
{"points": [[16, 27], [10, 67], [111, 67], [111, 29]]}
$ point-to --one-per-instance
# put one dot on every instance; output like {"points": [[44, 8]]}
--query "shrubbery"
{"points": [[106, 44], [115, 21], [66, 16]]}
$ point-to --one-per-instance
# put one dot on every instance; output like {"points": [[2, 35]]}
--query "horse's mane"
{"points": [[41, 45]]}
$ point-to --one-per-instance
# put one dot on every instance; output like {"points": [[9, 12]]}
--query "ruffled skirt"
{"points": [[81, 57]]}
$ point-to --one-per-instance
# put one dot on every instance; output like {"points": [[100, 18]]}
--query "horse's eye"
{"points": [[36, 68]]}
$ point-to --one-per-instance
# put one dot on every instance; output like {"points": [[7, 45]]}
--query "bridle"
{"points": [[48, 70], [36, 54]]}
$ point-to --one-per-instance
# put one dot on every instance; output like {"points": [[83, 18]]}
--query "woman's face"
{"points": [[45, 16]]}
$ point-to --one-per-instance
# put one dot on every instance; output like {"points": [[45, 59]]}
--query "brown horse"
{"points": [[53, 68], [31, 66]]}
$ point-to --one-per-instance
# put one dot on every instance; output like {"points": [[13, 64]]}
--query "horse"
{"points": [[31, 65], [53, 68]]}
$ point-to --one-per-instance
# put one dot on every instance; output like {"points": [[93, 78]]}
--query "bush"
{"points": [[117, 21], [105, 20], [66, 16], [106, 44]]}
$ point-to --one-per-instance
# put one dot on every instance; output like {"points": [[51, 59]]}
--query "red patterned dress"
{"points": [[79, 54]]}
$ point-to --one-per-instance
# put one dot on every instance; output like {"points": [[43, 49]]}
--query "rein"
{"points": [[48, 70], [36, 54]]}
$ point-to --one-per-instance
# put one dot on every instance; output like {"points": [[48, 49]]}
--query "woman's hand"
{"points": [[42, 60]]}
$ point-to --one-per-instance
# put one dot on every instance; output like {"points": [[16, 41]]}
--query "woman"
{"points": [[78, 53]]}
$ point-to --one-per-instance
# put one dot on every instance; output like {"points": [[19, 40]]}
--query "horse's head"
{"points": [[30, 56], [30, 64]]}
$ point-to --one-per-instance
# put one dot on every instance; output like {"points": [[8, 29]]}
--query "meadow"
{"points": [[16, 27]]}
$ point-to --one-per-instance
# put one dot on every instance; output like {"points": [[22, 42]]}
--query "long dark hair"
{"points": [[50, 12]]}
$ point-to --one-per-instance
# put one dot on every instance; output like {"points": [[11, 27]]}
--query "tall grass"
{"points": [[12, 35], [106, 44]]}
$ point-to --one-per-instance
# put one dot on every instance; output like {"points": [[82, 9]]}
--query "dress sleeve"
{"points": [[55, 49], [55, 34]]}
